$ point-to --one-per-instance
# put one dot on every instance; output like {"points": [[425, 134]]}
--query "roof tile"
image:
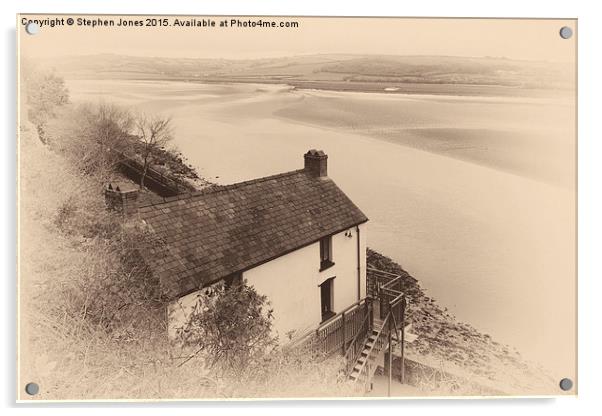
{"points": [[212, 233]]}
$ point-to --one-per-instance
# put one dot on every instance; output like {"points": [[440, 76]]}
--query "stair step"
{"points": [[363, 357]]}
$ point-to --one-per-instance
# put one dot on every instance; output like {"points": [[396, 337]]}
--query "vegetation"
{"points": [[97, 138], [92, 310], [44, 91], [94, 138], [154, 132], [232, 324]]}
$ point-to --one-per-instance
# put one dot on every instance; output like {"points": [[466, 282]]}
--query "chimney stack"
{"points": [[316, 163], [122, 197]]}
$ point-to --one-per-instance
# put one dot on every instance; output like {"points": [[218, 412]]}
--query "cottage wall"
{"points": [[291, 283]]}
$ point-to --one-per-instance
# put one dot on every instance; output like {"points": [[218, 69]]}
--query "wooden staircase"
{"points": [[367, 362], [387, 329], [362, 360]]}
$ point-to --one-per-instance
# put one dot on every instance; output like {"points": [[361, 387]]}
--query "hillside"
{"points": [[347, 72]]}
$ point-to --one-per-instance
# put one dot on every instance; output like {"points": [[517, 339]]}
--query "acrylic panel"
{"points": [[268, 207]]}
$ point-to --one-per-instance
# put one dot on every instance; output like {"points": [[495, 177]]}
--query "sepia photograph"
{"points": [[281, 207]]}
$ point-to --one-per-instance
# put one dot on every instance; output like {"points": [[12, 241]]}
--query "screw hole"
{"points": [[32, 389], [566, 32], [566, 384], [32, 28]]}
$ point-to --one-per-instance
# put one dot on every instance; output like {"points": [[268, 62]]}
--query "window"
{"points": [[326, 253], [326, 299]]}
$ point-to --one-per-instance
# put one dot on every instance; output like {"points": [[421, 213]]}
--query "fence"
{"points": [[162, 185], [339, 333], [348, 331]]}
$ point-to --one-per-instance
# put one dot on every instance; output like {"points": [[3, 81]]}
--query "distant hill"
{"points": [[380, 69]]}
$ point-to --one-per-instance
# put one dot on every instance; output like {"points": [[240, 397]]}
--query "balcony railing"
{"points": [[338, 333], [348, 331]]}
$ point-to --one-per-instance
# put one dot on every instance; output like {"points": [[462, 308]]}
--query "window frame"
{"points": [[326, 248]]}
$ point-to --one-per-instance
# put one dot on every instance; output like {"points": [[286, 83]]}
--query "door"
{"points": [[326, 299]]}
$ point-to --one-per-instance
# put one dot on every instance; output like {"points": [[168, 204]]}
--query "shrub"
{"points": [[95, 138], [231, 325], [114, 287], [44, 92]]}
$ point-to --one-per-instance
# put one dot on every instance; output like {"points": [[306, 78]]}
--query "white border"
{"points": [[590, 199]]}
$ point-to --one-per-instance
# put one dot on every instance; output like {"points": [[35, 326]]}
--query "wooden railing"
{"points": [[348, 331], [356, 345], [386, 288], [155, 180], [371, 363], [376, 278], [338, 333]]}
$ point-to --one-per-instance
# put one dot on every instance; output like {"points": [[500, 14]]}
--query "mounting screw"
{"points": [[32, 28], [32, 389], [566, 32], [566, 384]]}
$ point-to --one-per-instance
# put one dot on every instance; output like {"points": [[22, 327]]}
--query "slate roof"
{"points": [[208, 235]]}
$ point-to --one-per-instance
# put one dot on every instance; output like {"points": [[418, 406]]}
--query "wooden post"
{"points": [[402, 344], [390, 359], [371, 319], [344, 340]]}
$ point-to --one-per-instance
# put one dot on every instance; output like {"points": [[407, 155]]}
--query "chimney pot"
{"points": [[316, 163]]}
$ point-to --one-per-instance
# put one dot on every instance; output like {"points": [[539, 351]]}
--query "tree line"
{"points": [[102, 134]]}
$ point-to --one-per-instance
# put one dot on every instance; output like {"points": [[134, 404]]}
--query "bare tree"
{"points": [[104, 138], [154, 132]]}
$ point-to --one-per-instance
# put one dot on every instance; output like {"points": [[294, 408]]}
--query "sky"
{"points": [[525, 39]]}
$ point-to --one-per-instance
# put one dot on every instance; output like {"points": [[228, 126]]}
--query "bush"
{"points": [[94, 139], [231, 325], [114, 287], [44, 92]]}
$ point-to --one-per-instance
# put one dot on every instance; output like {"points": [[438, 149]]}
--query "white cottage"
{"points": [[295, 237]]}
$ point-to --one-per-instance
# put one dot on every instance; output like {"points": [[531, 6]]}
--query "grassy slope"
{"points": [[72, 358]]}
